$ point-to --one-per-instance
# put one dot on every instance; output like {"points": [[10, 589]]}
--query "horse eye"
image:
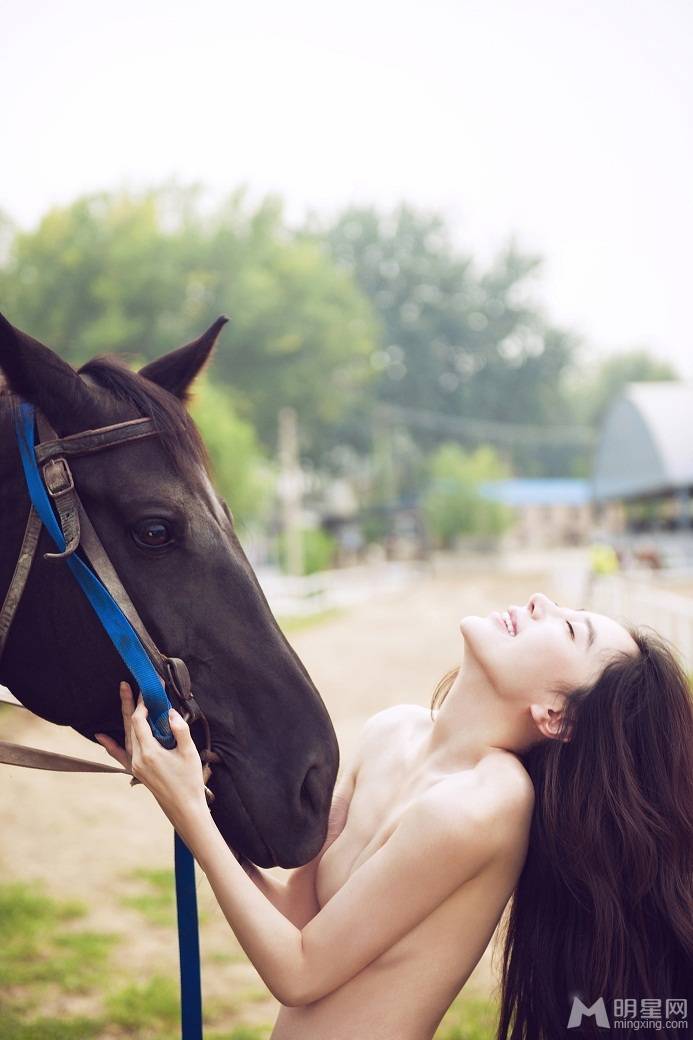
{"points": [[152, 534]]}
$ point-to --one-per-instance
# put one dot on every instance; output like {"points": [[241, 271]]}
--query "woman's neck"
{"points": [[474, 722]]}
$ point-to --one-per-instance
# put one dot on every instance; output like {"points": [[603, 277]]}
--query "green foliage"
{"points": [[319, 548], [142, 273], [150, 1004], [456, 341], [45, 958], [36, 948], [332, 319], [80, 1028], [302, 622], [24, 911], [453, 504], [241, 472], [41, 952], [81, 959], [469, 1018], [593, 388], [156, 901], [244, 1033]]}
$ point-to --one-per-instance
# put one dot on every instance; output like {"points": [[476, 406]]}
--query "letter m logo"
{"points": [[598, 1010]]}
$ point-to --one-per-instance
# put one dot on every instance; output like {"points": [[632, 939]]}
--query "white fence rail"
{"points": [[636, 600], [329, 590]]}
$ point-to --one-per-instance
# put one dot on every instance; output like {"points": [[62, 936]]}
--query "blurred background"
{"points": [[453, 243]]}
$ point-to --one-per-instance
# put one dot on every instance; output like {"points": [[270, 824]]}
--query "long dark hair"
{"points": [[604, 904]]}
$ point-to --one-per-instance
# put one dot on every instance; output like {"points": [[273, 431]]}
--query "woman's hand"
{"points": [[174, 777], [122, 755]]}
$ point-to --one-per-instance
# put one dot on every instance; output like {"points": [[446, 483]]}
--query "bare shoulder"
{"points": [[491, 804], [502, 775], [393, 718], [382, 729]]}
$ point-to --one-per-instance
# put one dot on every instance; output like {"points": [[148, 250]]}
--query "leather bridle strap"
{"points": [[21, 573], [113, 620], [55, 480], [90, 440], [172, 670], [77, 530], [51, 453], [98, 558], [35, 758]]}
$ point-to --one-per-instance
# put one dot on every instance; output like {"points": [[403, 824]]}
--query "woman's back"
{"points": [[404, 993]]}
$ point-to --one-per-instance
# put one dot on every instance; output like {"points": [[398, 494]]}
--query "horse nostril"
{"points": [[311, 790]]}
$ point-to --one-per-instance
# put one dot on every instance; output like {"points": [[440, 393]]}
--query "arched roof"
{"points": [[645, 445]]}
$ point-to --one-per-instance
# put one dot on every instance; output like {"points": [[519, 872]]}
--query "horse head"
{"points": [[171, 539]]}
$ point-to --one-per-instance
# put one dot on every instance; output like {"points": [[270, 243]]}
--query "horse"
{"points": [[172, 542]]}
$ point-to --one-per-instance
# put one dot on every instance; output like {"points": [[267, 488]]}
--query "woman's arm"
{"points": [[295, 895], [441, 841]]}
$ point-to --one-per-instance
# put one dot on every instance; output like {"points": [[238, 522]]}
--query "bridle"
{"points": [[52, 454], [56, 505]]}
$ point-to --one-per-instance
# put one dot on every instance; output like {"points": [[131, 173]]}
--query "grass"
{"points": [[41, 955], [11, 1028], [46, 956], [470, 1017], [225, 957], [244, 1033], [139, 1006], [300, 622], [36, 949], [156, 902]]}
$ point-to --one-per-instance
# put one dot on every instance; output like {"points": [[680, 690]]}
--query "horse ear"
{"points": [[37, 374], [177, 370]]}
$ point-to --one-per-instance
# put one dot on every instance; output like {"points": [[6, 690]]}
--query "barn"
{"points": [[644, 456]]}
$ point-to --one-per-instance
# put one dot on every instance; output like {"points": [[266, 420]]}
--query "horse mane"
{"points": [[177, 431]]}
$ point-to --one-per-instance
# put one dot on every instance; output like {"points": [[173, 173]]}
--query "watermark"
{"points": [[631, 1013]]}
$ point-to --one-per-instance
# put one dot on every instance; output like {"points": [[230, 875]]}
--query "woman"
{"points": [[558, 768]]}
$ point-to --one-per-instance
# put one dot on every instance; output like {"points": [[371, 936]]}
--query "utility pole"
{"points": [[384, 456], [290, 487]]}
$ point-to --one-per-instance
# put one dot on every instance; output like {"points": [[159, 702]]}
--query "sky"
{"points": [[568, 125]]}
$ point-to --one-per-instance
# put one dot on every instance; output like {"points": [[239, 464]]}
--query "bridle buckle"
{"points": [[179, 681], [58, 477]]}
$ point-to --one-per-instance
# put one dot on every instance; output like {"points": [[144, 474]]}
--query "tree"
{"points": [[453, 504], [456, 341], [241, 472], [140, 273], [594, 387]]}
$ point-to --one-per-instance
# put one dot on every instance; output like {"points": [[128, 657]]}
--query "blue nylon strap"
{"points": [[135, 657], [188, 940], [121, 632]]}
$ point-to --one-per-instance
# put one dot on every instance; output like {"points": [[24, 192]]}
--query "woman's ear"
{"points": [[548, 721], [177, 370]]}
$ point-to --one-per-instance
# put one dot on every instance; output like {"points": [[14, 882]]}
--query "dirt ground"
{"points": [[81, 836]]}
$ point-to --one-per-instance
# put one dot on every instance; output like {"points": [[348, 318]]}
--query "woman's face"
{"points": [[552, 645]]}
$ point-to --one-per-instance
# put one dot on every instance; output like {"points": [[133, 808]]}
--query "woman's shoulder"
{"points": [[503, 771], [504, 793], [395, 717]]}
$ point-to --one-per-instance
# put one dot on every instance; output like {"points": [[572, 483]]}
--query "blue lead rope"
{"points": [[127, 643], [119, 629], [188, 941]]}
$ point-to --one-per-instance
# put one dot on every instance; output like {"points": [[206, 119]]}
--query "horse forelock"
{"points": [[178, 434]]}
